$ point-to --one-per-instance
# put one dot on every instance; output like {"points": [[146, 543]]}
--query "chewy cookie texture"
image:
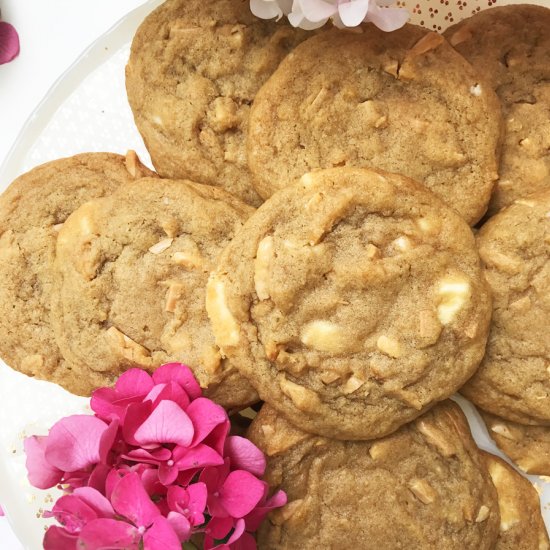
{"points": [[193, 73], [510, 45], [353, 301], [424, 486], [131, 271], [32, 212], [513, 380], [405, 102]]}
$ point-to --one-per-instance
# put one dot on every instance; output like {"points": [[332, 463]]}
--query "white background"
{"points": [[53, 33]]}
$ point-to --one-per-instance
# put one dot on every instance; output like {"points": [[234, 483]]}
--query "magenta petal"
{"points": [[180, 524], [170, 391], [98, 477], [40, 472], [72, 513], [74, 442], [130, 499], [255, 518], [197, 498], [237, 533], [168, 423], [240, 493], [176, 372], [9, 42], [136, 415], [108, 533], [96, 501], [161, 536], [107, 440], [245, 542], [133, 383], [205, 415], [245, 455], [216, 438], [197, 457], [218, 528], [57, 538], [168, 474]]}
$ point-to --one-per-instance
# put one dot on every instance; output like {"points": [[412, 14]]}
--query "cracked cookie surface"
{"points": [[422, 487], [405, 102], [352, 300], [131, 272], [510, 45], [32, 211], [513, 380], [194, 70]]}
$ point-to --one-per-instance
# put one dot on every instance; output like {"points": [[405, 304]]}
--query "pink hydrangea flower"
{"points": [[9, 43], [312, 14], [154, 466]]}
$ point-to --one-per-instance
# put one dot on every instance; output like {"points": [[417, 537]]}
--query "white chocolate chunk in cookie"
{"points": [[226, 329], [303, 399], [402, 244], [174, 294], [128, 348], [352, 385], [422, 490], [161, 246], [325, 336], [453, 292], [389, 346], [436, 438], [483, 513], [187, 260], [262, 264]]}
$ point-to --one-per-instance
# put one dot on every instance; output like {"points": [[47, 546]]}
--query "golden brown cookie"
{"points": [[510, 45], [424, 486], [194, 70], [513, 380], [131, 271], [521, 523], [527, 446], [32, 211], [353, 301], [403, 101]]}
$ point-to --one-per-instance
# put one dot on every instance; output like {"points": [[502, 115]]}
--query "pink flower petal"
{"points": [[205, 415], [237, 533], [9, 43], [40, 472], [98, 477], [136, 415], [57, 538], [134, 383], [109, 534], [72, 513], [74, 442], [180, 524], [130, 499], [246, 542], [168, 423], [240, 493], [96, 501], [219, 528], [176, 372], [170, 391], [245, 455], [317, 10], [161, 536], [151, 483], [168, 473], [197, 500], [255, 518], [387, 19], [197, 457], [353, 12], [107, 440]]}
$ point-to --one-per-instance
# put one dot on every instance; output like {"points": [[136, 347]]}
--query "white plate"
{"points": [[87, 110]]}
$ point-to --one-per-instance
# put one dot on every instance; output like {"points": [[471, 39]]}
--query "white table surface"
{"points": [[53, 33]]}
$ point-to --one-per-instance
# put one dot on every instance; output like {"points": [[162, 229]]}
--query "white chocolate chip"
{"points": [[57, 227], [211, 359], [328, 377], [483, 514], [504, 431], [307, 180], [423, 491], [436, 438], [262, 264], [157, 120], [389, 346], [161, 246], [475, 90], [226, 329], [352, 385], [429, 326], [128, 348], [325, 336], [402, 244], [187, 260], [268, 430], [526, 202], [453, 292], [373, 252], [303, 398], [175, 291]]}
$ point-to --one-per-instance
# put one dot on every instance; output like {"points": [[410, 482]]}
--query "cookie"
{"points": [[32, 210], [422, 487], [353, 301], [131, 272], [527, 446], [194, 70], [405, 102], [513, 380], [521, 523], [510, 45]]}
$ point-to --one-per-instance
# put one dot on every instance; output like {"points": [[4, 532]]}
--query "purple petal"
{"points": [[57, 538], [353, 12], [387, 19], [197, 457], [108, 533], [168, 423], [96, 501], [130, 499], [74, 442], [181, 526], [240, 493], [40, 472], [205, 415], [181, 374], [245, 455], [161, 536], [9, 43]]}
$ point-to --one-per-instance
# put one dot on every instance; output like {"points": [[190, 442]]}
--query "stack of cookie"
{"points": [[353, 302]]}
